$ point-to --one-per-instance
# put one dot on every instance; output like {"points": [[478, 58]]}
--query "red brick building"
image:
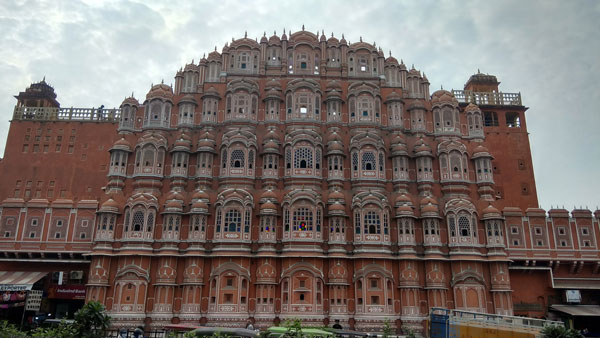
{"points": [[296, 177]]}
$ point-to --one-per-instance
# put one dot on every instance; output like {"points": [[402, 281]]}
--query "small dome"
{"points": [[110, 206], [174, 204], [403, 199], [268, 206], [332, 40], [414, 72], [333, 85], [175, 196], [490, 213], [183, 143], [392, 60], [214, 56], [160, 91], [481, 151], [122, 144], [271, 144], [188, 98], [471, 107], [190, 67], [212, 92], [199, 207], [393, 96], [335, 146], [336, 195], [442, 96], [269, 194], [200, 195], [428, 200], [132, 101], [264, 39], [422, 149], [337, 206], [405, 210], [273, 83], [274, 39]]}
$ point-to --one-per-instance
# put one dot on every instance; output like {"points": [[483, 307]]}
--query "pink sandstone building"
{"points": [[296, 176]]}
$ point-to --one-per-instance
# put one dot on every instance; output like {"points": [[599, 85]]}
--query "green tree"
{"points": [[294, 328], [63, 330], [560, 332], [387, 329], [10, 331], [91, 320]]}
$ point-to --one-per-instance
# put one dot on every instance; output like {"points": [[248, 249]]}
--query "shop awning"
{"points": [[577, 283], [19, 280], [578, 310]]}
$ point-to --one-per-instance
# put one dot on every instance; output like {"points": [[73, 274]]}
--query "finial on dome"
{"points": [[401, 61], [374, 44], [478, 72], [131, 94], [204, 55], [331, 34], [215, 48], [390, 52], [232, 39], [303, 27], [322, 32], [283, 30], [342, 35], [274, 32], [192, 61], [413, 66], [162, 81], [44, 79], [265, 34], [245, 34], [441, 87], [361, 39]]}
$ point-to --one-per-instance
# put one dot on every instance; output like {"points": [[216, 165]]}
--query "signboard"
{"points": [[573, 296], [34, 300], [66, 292], [15, 287]]}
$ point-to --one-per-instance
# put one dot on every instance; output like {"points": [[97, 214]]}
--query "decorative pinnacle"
{"points": [[390, 52], [361, 39], [303, 27], [265, 34], [215, 48], [245, 34]]}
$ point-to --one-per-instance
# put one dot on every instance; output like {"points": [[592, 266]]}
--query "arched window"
{"points": [[368, 161], [303, 219], [303, 159], [233, 222], [141, 223], [237, 158], [462, 228], [372, 223]]}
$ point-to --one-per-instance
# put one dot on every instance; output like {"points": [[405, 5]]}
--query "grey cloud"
{"points": [[98, 53]]}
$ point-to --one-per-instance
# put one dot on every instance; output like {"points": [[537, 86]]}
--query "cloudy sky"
{"points": [[97, 52]]}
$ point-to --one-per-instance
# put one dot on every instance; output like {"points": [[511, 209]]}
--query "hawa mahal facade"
{"points": [[290, 177]]}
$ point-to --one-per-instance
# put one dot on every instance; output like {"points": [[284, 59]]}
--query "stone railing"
{"points": [[488, 98], [67, 114]]}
